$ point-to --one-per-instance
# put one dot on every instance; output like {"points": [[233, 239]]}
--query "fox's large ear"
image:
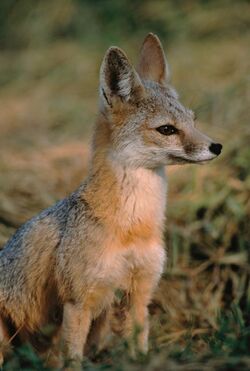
{"points": [[153, 64], [118, 78]]}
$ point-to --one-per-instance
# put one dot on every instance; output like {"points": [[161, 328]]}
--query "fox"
{"points": [[64, 266]]}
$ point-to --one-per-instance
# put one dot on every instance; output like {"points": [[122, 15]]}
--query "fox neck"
{"points": [[131, 201]]}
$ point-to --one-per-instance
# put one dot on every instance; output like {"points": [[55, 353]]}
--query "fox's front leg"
{"points": [[133, 313], [137, 326], [140, 297], [75, 328], [99, 333]]}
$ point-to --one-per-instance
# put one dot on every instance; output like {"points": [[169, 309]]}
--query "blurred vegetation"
{"points": [[50, 57], [41, 22]]}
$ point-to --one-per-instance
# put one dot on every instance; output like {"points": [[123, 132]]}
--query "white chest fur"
{"points": [[142, 195], [124, 250]]}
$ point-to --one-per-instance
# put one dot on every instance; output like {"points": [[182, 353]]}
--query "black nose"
{"points": [[215, 148]]}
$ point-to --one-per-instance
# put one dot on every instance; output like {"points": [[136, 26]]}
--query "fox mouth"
{"points": [[184, 160]]}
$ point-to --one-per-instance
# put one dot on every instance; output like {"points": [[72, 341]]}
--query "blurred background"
{"points": [[51, 52]]}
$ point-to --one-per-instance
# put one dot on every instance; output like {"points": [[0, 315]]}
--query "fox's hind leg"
{"points": [[4, 340]]}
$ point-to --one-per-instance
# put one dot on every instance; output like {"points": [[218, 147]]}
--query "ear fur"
{"points": [[118, 78], [153, 64]]}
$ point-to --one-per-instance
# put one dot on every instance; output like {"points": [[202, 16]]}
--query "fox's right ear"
{"points": [[153, 64], [118, 79]]}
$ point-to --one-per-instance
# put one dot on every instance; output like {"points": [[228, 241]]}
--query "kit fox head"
{"points": [[148, 126]]}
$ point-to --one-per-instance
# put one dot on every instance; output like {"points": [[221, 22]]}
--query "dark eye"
{"points": [[167, 129]]}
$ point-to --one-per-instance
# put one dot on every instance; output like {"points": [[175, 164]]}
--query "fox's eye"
{"points": [[167, 129]]}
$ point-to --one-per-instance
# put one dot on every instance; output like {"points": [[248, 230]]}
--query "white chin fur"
{"points": [[204, 155], [199, 157]]}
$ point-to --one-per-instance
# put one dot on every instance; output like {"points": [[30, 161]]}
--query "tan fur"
{"points": [[63, 267]]}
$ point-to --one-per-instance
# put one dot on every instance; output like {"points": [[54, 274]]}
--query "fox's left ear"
{"points": [[118, 79], [153, 64]]}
